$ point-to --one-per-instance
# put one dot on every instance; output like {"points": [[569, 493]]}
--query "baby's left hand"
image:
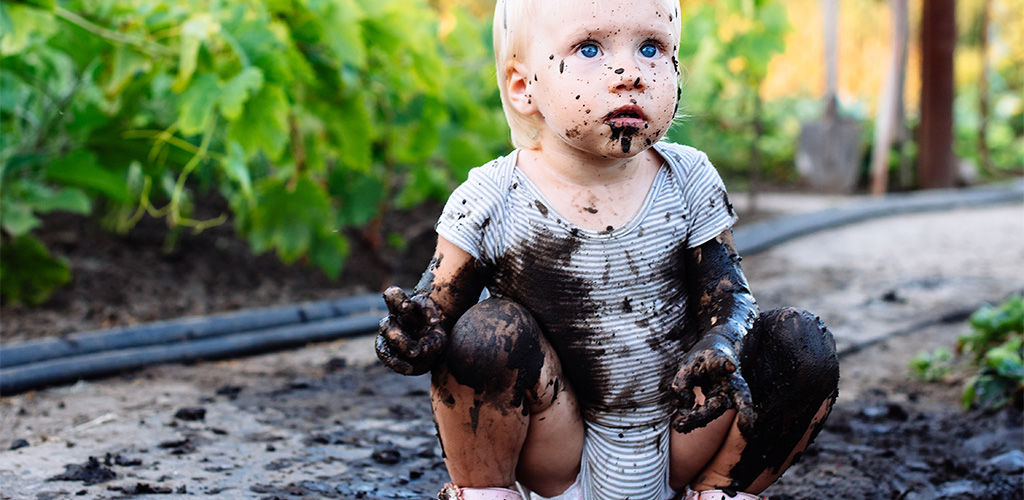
{"points": [[711, 365]]}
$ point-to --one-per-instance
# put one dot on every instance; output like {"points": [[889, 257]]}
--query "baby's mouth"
{"points": [[630, 116]]}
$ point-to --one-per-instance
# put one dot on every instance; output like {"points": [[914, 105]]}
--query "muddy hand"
{"points": [[410, 337], [715, 371]]}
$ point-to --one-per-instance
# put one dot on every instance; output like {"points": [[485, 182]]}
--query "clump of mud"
{"points": [[91, 472]]}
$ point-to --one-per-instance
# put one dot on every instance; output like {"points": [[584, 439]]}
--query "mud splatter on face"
{"points": [[623, 135], [561, 66]]}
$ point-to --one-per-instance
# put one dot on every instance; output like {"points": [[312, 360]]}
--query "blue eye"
{"points": [[589, 50], [649, 50]]}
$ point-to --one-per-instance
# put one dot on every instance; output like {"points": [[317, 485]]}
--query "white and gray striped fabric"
{"points": [[612, 303]]}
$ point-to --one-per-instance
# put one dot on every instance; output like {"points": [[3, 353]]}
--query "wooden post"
{"points": [[889, 117], [936, 165]]}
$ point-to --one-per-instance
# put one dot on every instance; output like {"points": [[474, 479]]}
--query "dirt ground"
{"points": [[328, 421]]}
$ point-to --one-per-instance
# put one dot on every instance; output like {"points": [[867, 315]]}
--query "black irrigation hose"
{"points": [[41, 363], [185, 329], [70, 369]]}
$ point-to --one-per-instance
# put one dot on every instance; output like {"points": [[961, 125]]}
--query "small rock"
{"points": [[192, 414], [231, 391], [1011, 462], [18, 443], [336, 364], [91, 472], [387, 456]]}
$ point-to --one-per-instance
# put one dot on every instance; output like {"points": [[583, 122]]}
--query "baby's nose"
{"points": [[625, 78]]}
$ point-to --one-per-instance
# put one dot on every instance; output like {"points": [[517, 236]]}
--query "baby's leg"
{"points": [[789, 361], [504, 412]]}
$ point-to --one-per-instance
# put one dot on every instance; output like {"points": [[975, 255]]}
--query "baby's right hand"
{"points": [[410, 337]]}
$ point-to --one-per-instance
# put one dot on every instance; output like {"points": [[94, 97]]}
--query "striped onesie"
{"points": [[612, 303]]}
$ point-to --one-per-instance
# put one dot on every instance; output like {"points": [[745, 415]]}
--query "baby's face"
{"points": [[604, 74]]}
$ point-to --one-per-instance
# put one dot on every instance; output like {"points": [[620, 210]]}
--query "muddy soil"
{"points": [[328, 421]]}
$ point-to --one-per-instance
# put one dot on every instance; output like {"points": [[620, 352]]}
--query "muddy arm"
{"points": [[724, 311], [414, 333]]}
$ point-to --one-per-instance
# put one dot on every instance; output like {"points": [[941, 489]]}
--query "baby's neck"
{"points": [[594, 195], [573, 169]]}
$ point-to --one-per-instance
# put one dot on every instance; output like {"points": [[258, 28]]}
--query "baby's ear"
{"points": [[518, 89]]}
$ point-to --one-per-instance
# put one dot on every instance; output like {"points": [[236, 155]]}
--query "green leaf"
{"points": [[288, 219], [17, 218], [237, 91], [196, 30], [264, 123], [22, 26], [28, 273], [198, 103], [352, 129], [359, 196], [345, 35], [127, 64], [65, 200], [237, 170], [426, 182], [328, 253], [81, 169]]}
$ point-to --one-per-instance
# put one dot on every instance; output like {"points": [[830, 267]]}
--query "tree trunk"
{"points": [[936, 164], [889, 117], [983, 88]]}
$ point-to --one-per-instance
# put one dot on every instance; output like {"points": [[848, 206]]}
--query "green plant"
{"points": [[993, 349], [307, 116], [725, 54], [996, 347], [932, 366]]}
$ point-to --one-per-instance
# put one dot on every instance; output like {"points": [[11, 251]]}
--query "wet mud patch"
{"points": [[89, 473], [877, 447]]}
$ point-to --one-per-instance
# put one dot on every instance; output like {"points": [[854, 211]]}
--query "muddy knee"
{"points": [[791, 366], [496, 347], [792, 351]]}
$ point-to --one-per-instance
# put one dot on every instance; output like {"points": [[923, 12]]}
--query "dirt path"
{"points": [[327, 421]]}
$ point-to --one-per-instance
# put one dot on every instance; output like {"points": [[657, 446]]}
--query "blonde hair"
{"points": [[511, 19]]}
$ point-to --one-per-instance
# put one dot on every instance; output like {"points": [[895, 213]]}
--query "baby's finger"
{"points": [[744, 403], [429, 311], [683, 386], [397, 338], [433, 342], [397, 301], [389, 358]]}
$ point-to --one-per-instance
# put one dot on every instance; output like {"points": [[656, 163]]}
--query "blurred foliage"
{"points": [[307, 116], [992, 354], [314, 118], [726, 50], [716, 97]]}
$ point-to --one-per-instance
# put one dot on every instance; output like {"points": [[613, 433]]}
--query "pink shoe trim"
{"points": [[720, 495], [453, 492]]}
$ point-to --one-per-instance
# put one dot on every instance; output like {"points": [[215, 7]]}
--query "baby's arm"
{"points": [[725, 311], [415, 331]]}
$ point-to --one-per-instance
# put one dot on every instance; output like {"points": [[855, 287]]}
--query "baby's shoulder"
{"points": [[682, 158]]}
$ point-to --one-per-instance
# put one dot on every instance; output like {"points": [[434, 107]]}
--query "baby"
{"points": [[620, 354]]}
